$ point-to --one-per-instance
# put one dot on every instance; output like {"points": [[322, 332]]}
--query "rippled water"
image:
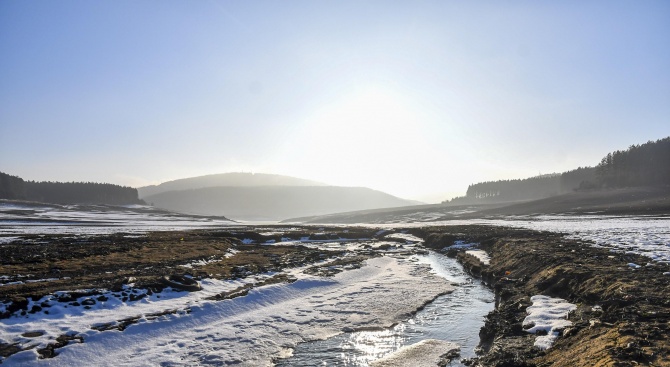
{"points": [[455, 317]]}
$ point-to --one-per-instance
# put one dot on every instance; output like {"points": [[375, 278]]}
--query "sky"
{"points": [[418, 99]]}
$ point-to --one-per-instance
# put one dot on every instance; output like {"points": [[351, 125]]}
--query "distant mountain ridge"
{"points": [[269, 203], [237, 179]]}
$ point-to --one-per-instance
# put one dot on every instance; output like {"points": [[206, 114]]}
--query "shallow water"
{"points": [[455, 317]]}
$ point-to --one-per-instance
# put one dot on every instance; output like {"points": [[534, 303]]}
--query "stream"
{"points": [[456, 317]]}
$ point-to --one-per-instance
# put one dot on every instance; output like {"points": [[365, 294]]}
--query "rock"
{"points": [[181, 282], [35, 309]]}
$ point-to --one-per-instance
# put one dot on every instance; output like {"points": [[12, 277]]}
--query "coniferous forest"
{"points": [[15, 188], [640, 165]]}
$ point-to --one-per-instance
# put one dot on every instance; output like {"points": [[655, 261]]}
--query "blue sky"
{"points": [[418, 99]]}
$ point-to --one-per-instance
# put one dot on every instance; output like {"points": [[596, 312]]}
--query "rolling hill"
{"points": [[238, 179], [268, 203]]}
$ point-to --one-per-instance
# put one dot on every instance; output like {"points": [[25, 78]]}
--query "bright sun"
{"points": [[364, 139]]}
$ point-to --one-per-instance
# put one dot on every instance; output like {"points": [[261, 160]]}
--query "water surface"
{"points": [[455, 317]]}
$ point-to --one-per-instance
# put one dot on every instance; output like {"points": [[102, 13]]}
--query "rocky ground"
{"points": [[622, 316], [623, 311]]}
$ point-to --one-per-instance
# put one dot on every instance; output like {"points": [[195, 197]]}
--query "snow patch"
{"points": [[548, 315], [409, 238], [483, 257]]}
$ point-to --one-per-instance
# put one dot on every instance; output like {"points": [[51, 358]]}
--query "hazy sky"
{"points": [[415, 98]]}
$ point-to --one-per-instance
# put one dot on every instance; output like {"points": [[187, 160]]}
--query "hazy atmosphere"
{"points": [[334, 183], [416, 99]]}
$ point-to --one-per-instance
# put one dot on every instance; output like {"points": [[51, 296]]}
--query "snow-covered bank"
{"points": [[248, 330], [644, 235], [549, 316]]}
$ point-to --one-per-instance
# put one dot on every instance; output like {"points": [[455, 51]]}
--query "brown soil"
{"points": [[80, 269], [630, 329], [107, 262]]}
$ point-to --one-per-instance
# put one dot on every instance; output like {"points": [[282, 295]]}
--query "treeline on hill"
{"points": [[15, 188], [640, 165]]}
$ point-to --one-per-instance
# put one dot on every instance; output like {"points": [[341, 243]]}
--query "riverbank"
{"points": [[246, 296], [622, 315]]}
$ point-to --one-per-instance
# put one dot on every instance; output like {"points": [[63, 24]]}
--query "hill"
{"points": [[638, 166], [274, 202], [648, 200], [238, 179]]}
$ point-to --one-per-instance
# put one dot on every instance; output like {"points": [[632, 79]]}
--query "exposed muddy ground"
{"points": [[622, 316], [81, 271], [38, 265], [623, 311]]}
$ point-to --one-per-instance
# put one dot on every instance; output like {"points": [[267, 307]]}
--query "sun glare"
{"points": [[360, 139]]}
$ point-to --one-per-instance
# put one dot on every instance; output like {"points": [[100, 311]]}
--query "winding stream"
{"points": [[455, 317]]}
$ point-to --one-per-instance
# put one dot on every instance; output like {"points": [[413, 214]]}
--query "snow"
{"points": [[210, 260], [644, 235], [647, 236], [8, 239], [425, 353], [248, 330], [409, 238], [20, 219], [483, 257], [549, 315]]}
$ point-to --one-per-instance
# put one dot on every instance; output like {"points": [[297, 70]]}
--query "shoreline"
{"points": [[622, 315], [335, 290], [623, 311]]}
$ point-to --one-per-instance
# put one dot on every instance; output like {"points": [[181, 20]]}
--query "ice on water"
{"points": [[249, 330]]}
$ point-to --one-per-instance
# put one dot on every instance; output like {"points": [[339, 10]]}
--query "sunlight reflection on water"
{"points": [[456, 317]]}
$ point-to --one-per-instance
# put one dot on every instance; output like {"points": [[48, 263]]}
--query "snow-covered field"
{"points": [[648, 236], [249, 330], [18, 219], [179, 328], [644, 235]]}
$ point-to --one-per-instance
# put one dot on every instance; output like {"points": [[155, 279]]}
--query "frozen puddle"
{"points": [[455, 317], [246, 331]]}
